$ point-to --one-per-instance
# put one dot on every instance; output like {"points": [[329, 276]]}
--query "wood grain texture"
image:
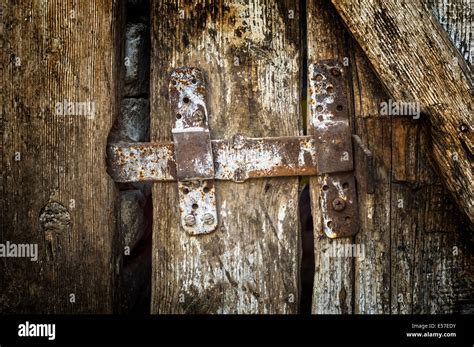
{"points": [[457, 19], [251, 59], [416, 62], [418, 254], [333, 280], [431, 250], [372, 273], [58, 194], [418, 248]]}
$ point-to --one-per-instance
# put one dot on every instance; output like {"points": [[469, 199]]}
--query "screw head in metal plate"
{"points": [[208, 219], [190, 220], [338, 204]]}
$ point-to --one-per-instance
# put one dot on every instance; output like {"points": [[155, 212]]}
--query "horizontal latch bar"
{"points": [[236, 159]]}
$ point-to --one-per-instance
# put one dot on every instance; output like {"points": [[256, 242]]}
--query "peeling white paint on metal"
{"points": [[308, 147], [203, 164], [196, 95], [189, 130], [327, 123], [135, 166], [324, 203], [205, 203], [246, 159], [340, 190]]}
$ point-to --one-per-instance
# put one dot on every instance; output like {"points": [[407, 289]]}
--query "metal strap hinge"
{"points": [[195, 161]]}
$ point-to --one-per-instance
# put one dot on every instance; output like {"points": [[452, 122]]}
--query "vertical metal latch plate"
{"points": [[329, 123], [193, 151]]}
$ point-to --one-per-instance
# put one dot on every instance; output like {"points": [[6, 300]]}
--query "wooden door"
{"points": [[418, 251], [57, 56], [254, 58], [250, 54]]}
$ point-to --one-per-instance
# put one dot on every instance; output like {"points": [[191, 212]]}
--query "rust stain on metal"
{"points": [[193, 151], [193, 155], [329, 112], [241, 158], [330, 116], [339, 205], [195, 161], [251, 158], [133, 162]]}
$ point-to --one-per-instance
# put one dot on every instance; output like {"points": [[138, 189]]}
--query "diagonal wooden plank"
{"points": [[455, 16], [250, 55], [414, 59], [416, 260]]}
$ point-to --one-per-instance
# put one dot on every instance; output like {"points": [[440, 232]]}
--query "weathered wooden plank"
{"points": [[333, 280], [417, 256], [444, 276], [372, 271], [58, 57], [431, 253], [250, 55], [416, 62], [456, 17]]}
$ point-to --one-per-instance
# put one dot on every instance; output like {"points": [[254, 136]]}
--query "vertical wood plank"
{"points": [[55, 190], [431, 253], [372, 273], [251, 57], [333, 281]]}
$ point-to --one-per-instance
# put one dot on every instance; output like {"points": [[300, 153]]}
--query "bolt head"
{"points": [[239, 175], [190, 220], [208, 219], [336, 72], [238, 141], [197, 116], [338, 204]]}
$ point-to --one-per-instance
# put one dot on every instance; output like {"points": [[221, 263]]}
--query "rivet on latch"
{"points": [[197, 116], [336, 72], [238, 141], [239, 175], [208, 219], [338, 204], [190, 220]]}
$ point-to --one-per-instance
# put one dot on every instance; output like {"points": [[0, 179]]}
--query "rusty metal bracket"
{"points": [[195, 161], [236, 159], [193, 152], [338, 201], [329, 123]]}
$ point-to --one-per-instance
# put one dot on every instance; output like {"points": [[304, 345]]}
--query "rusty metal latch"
{"points": [[329, 112], [195, 161], [193, 152]]}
